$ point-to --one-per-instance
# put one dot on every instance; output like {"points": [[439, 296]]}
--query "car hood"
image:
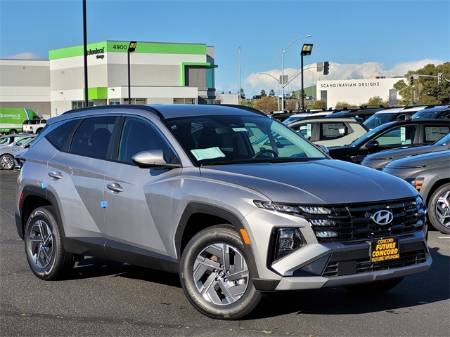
{"points": [[426, 160], [315, 182], [407, 151]]}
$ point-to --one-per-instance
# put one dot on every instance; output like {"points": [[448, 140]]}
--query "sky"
{"points": [[361, 38]]}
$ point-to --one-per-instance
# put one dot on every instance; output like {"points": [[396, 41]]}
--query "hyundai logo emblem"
{"points": [[383, 217]]}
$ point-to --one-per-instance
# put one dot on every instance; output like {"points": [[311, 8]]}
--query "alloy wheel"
{"points": [[442, 208], [41, 248], [6, 162], [221, 274]]}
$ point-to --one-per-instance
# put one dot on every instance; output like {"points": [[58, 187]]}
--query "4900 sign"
{"points": [[385, 250]]}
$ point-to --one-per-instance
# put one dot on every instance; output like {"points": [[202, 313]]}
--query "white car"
{"points": [[329, 132], [9, 152], [34, 125], [390, 115], [300, 116]]}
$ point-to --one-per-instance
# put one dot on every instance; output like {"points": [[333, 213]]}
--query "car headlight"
{"points": [[291, 209]]}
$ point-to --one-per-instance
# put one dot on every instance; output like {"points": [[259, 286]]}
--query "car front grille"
{"points": [[353, 222], [340, 268]]}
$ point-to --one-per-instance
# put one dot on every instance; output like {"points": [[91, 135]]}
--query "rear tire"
{"points": [[214, 274], [375, 287], [439, 209], [44, 247], [7, 162]]}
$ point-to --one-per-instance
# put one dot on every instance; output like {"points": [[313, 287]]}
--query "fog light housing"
{"points": [[286, 241]]}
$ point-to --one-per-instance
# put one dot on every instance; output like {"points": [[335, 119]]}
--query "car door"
{"points": [[139, 200], [78, 177]]}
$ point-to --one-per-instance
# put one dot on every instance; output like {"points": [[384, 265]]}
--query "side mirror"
{"points": [[371, 145], [153, 158]]}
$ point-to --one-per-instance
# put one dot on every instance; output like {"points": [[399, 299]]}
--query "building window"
{"points": [[81, 104], [114, 101]]}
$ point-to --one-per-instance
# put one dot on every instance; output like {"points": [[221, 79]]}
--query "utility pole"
{"points": [[86, 91], [239, 74], [302, 91]]}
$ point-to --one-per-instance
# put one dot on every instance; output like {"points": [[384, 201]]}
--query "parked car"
{"points": [[381, 159], [437, 112], [230, 199], [9, 139], [392, 135], [329, 132], [304, 115], [34, 125], [8, 153], [390, 115], [359, 114], [11, 119], [430, 174]]}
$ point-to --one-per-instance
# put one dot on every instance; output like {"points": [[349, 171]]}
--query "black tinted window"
{"points": [[93, 137], [60, 134], [138, 136]]}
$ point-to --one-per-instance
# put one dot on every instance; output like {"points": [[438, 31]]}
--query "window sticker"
{"points": [[208, 153], [403, 134], [239, 129]]}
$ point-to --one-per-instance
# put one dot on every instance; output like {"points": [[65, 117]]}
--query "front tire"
{"points": [[214, 274], [439, 209], [43, 245], [7, 162]]}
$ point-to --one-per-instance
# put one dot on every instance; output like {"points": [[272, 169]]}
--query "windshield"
{"points": [[220, 140], [444, 140], [24, 141], [378, 119], [365, 137]]}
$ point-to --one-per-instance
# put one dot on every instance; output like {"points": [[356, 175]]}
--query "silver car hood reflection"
{"points": [[313, 182]]}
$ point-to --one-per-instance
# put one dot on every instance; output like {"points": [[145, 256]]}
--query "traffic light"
{"points": [[411, 80], [440, 77], [326, 68]]}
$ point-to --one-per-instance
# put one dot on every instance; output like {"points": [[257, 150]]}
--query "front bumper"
{"points": [[337, 264]]}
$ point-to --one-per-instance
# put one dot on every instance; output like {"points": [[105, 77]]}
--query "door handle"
{"points": [[115, 187], [55, 175]]}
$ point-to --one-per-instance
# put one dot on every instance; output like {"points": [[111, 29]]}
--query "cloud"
{"points": [[24, 56], [266, 81]]}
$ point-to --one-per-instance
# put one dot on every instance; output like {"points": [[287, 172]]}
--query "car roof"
{"points": [[168, 111], [325, 119]]}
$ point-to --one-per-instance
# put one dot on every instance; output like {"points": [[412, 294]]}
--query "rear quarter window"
{"points": [[59, 137], [434, 133]]}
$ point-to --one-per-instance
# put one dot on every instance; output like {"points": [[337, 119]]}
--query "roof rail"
{"points": [[243, 107], [118, 106]]}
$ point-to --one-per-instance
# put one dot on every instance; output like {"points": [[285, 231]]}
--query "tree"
{"points": [[376, 101], [291, 105], [426, 90], [317, 105], [263, 93], [267, 104], [344, 105], [272, 92]]}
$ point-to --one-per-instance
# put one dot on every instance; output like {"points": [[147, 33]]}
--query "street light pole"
{"points": [[306, 50], [131, 48], [86, 91], [282, 78], [240, 75], [302, 92]]}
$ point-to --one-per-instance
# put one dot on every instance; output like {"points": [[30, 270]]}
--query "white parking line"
{"points": [[443, 237]]}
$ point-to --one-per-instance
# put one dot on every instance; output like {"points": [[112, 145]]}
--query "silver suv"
{"points": [[230, 199]]}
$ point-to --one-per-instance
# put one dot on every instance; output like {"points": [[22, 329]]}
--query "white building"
{"points": [[160, 72], [356, 92]]}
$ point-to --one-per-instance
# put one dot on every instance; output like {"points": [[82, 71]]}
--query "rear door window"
{"points": [[434, 133], [93, 137]]}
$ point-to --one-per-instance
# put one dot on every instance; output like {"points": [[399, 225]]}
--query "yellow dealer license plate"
{"points": [[385, 250]]}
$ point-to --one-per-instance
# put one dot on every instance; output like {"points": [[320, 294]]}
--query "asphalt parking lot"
{"points": [[108, 299]]}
